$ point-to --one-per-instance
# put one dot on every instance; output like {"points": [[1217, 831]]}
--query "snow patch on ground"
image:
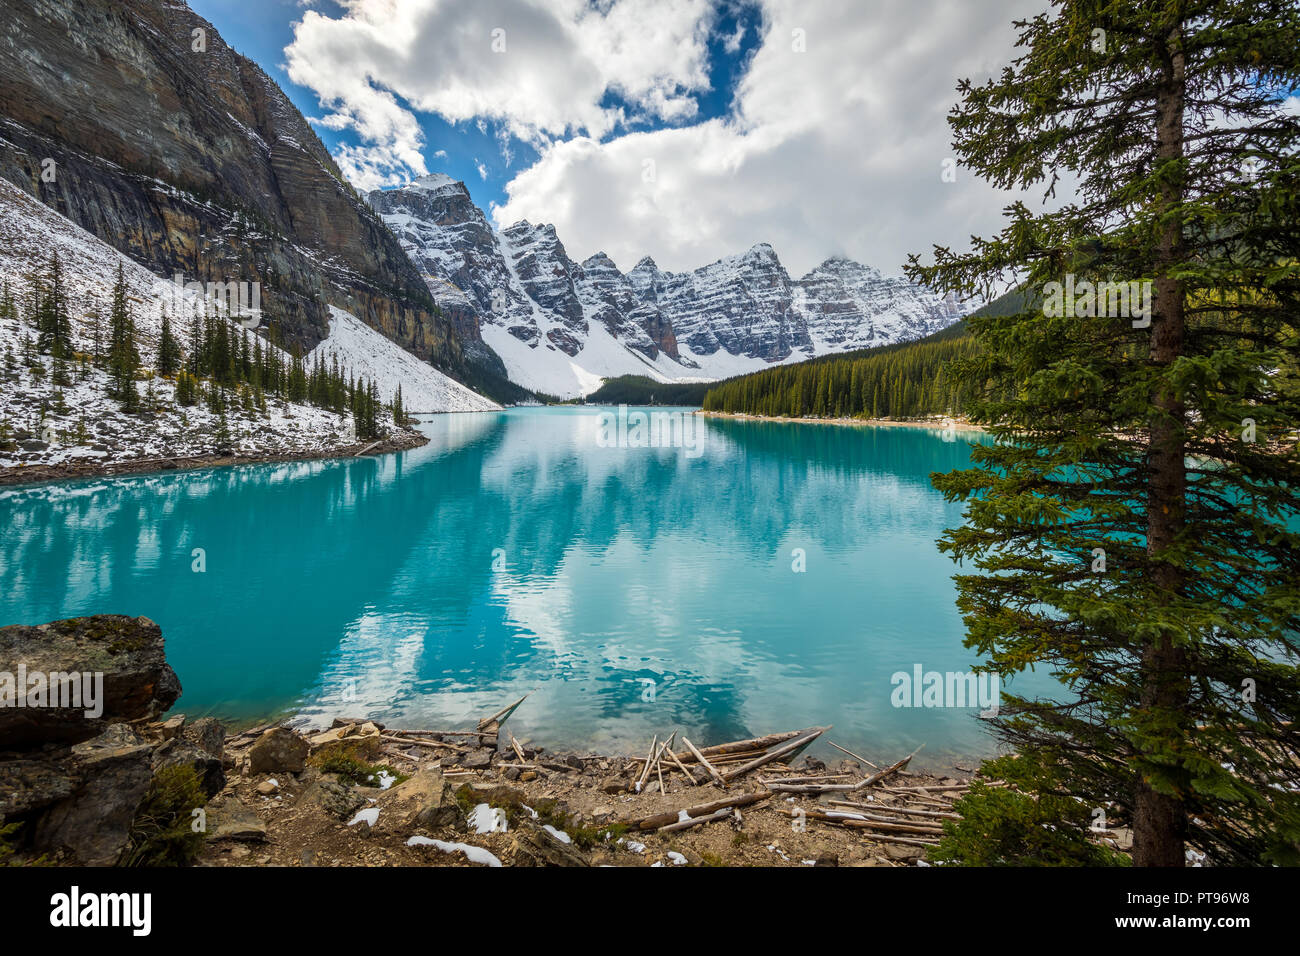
{"points": [[488, 819], [475, 854]]}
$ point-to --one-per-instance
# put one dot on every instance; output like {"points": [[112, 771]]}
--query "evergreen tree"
{"points": [[123, 358], [1133, 530], [169, 349], [53, 326], [187, 389]]}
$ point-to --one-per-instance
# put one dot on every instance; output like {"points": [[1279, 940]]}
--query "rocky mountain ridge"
{"points": [[560, 326]]}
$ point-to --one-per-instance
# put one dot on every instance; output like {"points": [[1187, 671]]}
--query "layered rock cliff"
{"points": [[135, 120]]}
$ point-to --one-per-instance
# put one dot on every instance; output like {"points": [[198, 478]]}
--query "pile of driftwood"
{"points": [[485, 735], [723, 763], [908, 815], [864, 803], [886, 814]]}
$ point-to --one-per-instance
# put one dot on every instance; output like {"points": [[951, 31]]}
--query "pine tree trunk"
{"points": [[1160, 820]]}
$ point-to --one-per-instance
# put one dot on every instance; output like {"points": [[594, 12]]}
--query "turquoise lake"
{"points": [[516, 553]]}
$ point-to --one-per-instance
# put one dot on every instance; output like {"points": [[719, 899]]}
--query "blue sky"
{"points": [[686, 130], [468, 150], [263, 29]]}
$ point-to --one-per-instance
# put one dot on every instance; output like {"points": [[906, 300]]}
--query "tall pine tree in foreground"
{"points": [[1134, 529]]}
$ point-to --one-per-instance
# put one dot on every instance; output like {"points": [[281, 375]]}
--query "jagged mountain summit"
{"points": [[560, 326]]}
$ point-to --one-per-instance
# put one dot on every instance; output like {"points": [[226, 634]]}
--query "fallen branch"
{"points": [[681, 766], [853, 755], [430, 744], [799, 743], [501, 716], [723, 814], [660, 820], [884, 834], [892, 768], [649, 762], [891, 809], [705, 763]]}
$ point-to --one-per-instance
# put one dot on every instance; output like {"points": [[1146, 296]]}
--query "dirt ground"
{"points": [[309, 817]]}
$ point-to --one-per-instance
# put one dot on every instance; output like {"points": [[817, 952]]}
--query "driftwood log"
{"points": [[660, 820]]}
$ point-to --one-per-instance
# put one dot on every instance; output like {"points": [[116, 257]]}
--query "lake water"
{"points": [[632, 591]]}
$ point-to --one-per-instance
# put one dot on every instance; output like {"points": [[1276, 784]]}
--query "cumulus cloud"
{"points": [[539, 68], [836, 146]]}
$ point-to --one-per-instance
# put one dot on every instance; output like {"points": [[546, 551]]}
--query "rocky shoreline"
{"points": [[91, 468], [123, 786]]}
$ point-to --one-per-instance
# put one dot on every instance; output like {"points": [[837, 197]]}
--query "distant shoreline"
{"points": [[958, 423], [69, 471]]}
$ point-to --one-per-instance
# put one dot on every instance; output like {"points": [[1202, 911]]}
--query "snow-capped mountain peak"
{"points": [[434, 182], [561, 326]]}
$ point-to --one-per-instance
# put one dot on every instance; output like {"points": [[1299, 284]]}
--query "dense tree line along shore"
{"points": [[905, 381]]}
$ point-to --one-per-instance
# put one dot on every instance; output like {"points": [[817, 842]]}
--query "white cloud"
{"points": [[732, 42], [539, 68], [836, 150]]}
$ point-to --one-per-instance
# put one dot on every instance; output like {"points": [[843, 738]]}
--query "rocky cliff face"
{"points": [[186, 156], [568, 324]]}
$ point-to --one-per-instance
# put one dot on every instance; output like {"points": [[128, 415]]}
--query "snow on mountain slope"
{"points": [[367, 353], [87, 426], [560, 327]]}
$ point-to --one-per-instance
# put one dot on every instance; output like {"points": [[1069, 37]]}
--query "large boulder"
{"points": [[206, 733], [425, 801], [182, 753], [333, 796], [531, 845], [62, 682], [359, 741], [278, 750], [229, 819], [27, 785], [93, 824]]}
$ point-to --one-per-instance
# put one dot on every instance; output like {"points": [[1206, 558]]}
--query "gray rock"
{"points": [[137, 682], [902, 851], [94, 822], [230, 820], [530, 845], [334, 797], [477, 760], [207, 733], [278, 750], [182, 753], [31, 784], [425, 801]]}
